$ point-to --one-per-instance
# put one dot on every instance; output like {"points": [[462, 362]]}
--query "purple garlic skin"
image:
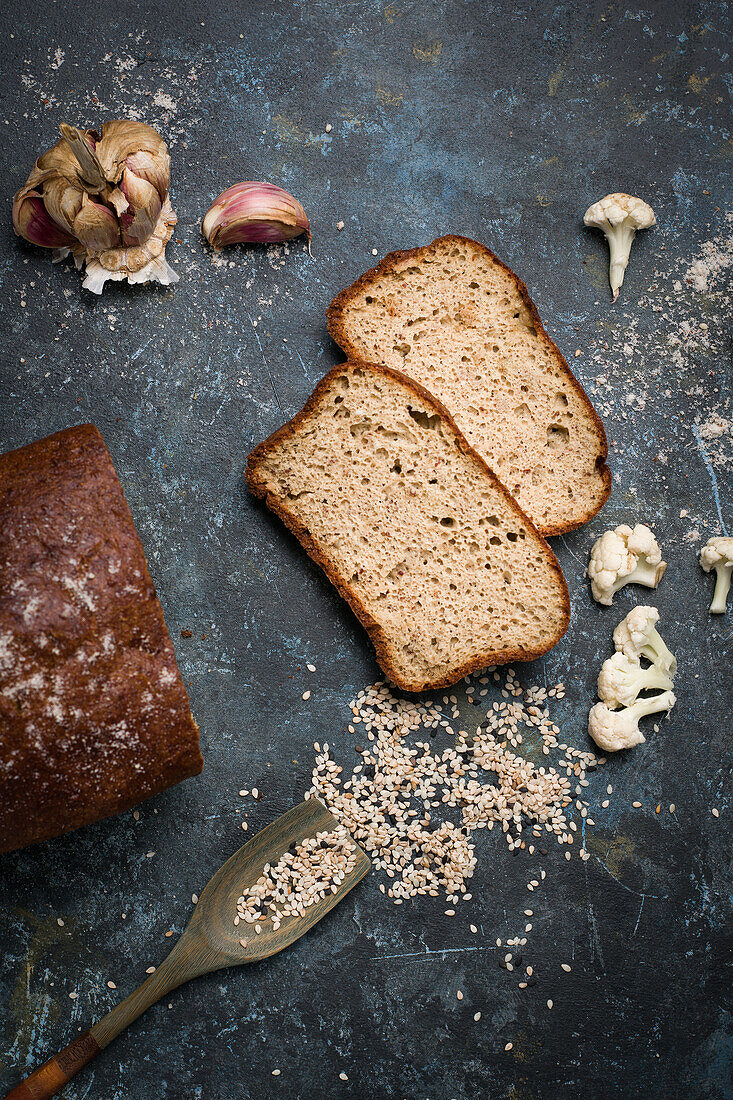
{"points": [[254, 212], [104, 198]]}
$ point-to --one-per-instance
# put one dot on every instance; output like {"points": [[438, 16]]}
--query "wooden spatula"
{"points": [[210, 940]]}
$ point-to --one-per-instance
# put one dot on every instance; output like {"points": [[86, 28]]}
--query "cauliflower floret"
{"points": [[624, 556], [619, 216], [622, 678], [637, 636], [619, 729], [717, 554]]}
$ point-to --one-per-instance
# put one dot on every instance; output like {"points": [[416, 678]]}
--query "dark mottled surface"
{"points": [[501, 121]]}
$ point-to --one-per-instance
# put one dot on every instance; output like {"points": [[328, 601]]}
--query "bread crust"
{"points": [[257, 486], [337, 331], [94, 715]]}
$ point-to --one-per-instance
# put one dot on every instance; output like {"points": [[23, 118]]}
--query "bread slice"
{"points": [[438, 562], [454, 318]]}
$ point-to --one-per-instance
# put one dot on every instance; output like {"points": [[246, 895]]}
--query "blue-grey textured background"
{"points": [[502, 121]]}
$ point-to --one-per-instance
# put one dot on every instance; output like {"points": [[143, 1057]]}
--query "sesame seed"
{"points": [[715, 812], [477, 1016], [549, 1004], [565, 967], [343, 1076], [459, 995], [312, 668], [59, 922], [509, 1046], [306, 695], [636, 805], [276, 1073], [391, 799], [329, 127], [672, 807], [150, 970]]}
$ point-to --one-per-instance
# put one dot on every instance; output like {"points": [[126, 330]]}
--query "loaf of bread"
{"points": [[438, 562], [455, 319], [94, 716]]}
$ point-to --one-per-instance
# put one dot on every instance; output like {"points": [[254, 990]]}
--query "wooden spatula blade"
{"points": [[213, 918]]}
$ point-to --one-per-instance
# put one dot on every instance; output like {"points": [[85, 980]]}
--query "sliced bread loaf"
{"points": [[438, 562], [455, 319]]}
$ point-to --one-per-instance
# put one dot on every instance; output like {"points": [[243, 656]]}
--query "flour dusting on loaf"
{"points": [[94, 716]]}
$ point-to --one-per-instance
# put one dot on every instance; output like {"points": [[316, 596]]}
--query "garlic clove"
{"points": [[156, 170], [254, 212], [96, 227], [32, 221], [144, 206], [62, 201]]}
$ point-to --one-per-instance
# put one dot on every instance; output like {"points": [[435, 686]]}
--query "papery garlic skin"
{"points": [[254, 212], [103, 198]]}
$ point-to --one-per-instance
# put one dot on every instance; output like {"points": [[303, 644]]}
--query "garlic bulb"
{"points": [[103, 198], [254, 212]]}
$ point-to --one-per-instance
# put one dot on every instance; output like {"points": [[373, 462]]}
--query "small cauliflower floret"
{"points": [[622, 678], [717, 554], [619, 729], [624, 556], [619, 216], [637, 636]]}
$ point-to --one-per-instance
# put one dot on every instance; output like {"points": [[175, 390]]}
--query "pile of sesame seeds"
{"points": [[389, 801], [310, 870]]}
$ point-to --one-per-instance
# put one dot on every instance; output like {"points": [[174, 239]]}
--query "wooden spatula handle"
{"points": [[187, 959], [58, 1071]]}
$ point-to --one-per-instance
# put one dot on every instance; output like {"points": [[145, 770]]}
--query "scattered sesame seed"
{"points": [[549, 1004], [59, 922], [255, 793], [509, 1046], [195, 899], [459, 995], [565, 967], [636, 805], [343, 1076], [715, 812], [473, 928], [312, 668], [150, 970], [276, 1073], [73, 996], [111, 985], [306, 695], [329, 127], [672, 807], [374, 252]]}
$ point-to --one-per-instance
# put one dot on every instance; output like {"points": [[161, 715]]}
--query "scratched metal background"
{"points": [[500, 121]]}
